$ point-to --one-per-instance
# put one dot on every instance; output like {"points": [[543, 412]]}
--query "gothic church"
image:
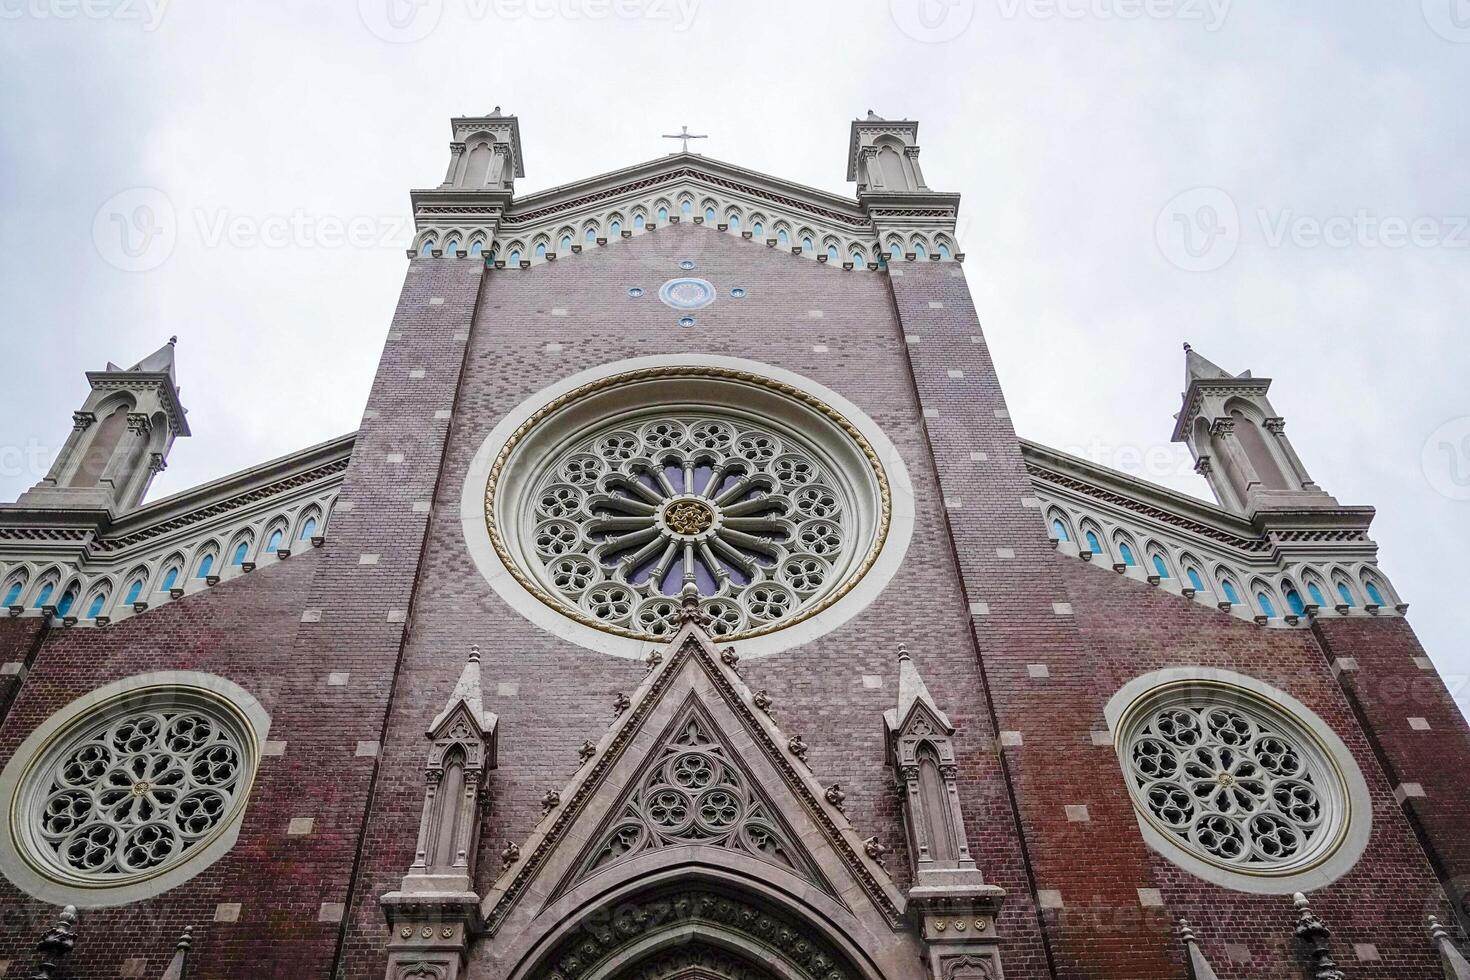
{"points": [[686, 606]]}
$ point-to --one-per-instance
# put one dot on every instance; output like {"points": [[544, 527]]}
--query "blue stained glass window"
{"points": [[831, 253], [806, 245], [1060, 530], [734, 222], [1267, 606], [477, 248], [169, 578], [451, 246], [943, 251], [540, 250], [134, 591], [920, 251], [274, 544], [515, 258], [637, 222], [895, 250], [95, 609], [566, 244], [1294, 602], [1093, 545], [709, 216], [67, 601], [1195, 582], [1127, 554], [13, 593], [782, 238], [615, 230], [241, 550], [1231, 595], [757, 230], [663, 214], [686, 207], [45, 596], [858, 262], [428, 248], [1161, 568], [1316, 594], [1347, 596], [308, 529], [206, 566], [1374, 596], [590, 235]]}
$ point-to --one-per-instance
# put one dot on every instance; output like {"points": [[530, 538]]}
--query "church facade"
{"points": [[687, 606]]}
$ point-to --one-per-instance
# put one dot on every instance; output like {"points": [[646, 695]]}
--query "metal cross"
{"points": [[686, 136]]}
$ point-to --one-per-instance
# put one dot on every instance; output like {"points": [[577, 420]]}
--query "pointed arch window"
{"points": [[206, 566], [1196, 581], [895, 250], [170, 579], [241, 550], [1268, 608], [12, 594], [831, 253], [540, 252], [615, 230], [757, 230], [135, 591], [1161, 567], [1231, 595], [1345, 593], [1059, 528], [494, 256], [1294, 602], [515, 258], [99, 602], [663, 214], [43, 597], [709, 216], [806, 245], [427, 248], [1316, 594], [944, 251], [686, 207], [1093, 544], [451, 246], [858, 262], [590, 236], [782, 238], [734, 222], [565, 245], [274, 544], [1126, 553], [476, 249], [68, 599], [920, 252], [1375, 596], [308, 530], [637, 222]]}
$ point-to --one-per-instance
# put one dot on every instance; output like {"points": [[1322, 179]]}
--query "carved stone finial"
{"points": [[1199, 967], [550, 801], [587, 751], [474, 653], [175, 969], [835, 796], [689, 610], [509, 855], [620, 704], [903, 652], [874, 848], [56, 944], [1455, 965], [798, 747], [1313, 933], [1187, 348], [173, 342]]}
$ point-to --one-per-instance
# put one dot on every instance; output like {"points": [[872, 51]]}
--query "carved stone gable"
{"points": [[693, 790]]}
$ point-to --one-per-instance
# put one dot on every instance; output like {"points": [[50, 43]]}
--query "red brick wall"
{"points": [[565, 692], [1392, 684], [19, 640]]}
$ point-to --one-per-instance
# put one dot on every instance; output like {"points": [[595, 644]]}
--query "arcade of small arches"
{"points": [[777, 231], [1284, 594], [98, 597]]}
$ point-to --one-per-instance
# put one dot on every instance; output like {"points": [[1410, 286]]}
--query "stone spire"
{"points": [[1199, 967], [912, 690], [1197, 367], [180, 962], [466, 692], [1455, 967]]}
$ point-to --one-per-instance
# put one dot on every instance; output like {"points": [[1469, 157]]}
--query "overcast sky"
{"points": [[1315, 154]]}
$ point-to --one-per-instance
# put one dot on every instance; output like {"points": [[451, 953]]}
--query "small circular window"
{"points": [[133, 788], [1235, 781]]}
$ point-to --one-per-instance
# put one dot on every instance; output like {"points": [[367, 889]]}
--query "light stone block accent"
{"points": [[508, 689], [1049, 898], [872, 681], [442, 415], [819, 348], [1038, 670], [1102, 740], [1002, 413], [1343, 664], [460, 338], [814, 314], [367, 748], [416, 373], [1077, 813], [367, 559], [1005, 552], [300, 826], [1408, 791], [975, 338], [1150, 898], [1237, 952], [132, 967], [1366, 952], [436, 300], [911, 338], [311, 616], [227, 912], [979, 609], [1011, 739], [953, 503], [273, 748], [1031, 503], [338, 678], [979, 457], [393, 458], [558, 311], [931, 413], [955, 374], [1061, 608], [397, 616], [331, 912], [1419, 724], [935, 304], [13, 669], [553, 348], [343, 505], [1423, 663], [421, 506]]}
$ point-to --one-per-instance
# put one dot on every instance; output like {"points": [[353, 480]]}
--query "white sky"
{"points": [[1068, 125]]}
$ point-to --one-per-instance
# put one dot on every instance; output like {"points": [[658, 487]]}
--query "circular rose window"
{"points": [[609, 500]]}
